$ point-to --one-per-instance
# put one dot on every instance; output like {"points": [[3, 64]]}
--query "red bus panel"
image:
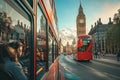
{"points": [[84, 46]]}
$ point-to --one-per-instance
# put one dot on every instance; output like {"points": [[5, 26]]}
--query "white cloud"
{"points": [[67, 35]]}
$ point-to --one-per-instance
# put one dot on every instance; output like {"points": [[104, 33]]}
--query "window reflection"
{"points": [[15, 27], [41, 44], [50, 56]]}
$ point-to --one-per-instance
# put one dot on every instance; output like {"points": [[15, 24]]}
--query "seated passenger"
{"points": [[10, 55]]}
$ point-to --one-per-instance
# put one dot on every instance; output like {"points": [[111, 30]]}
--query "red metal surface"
{"points": [[86, 55], [90, 46], [53, 72], [61, 73], [48, 16]]}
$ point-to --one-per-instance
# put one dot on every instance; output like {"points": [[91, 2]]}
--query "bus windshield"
{"points": [[85, 43]]}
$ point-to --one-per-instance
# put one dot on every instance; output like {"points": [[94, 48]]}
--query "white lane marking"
{"points": [[114, 76], [68, 70], [96, 71], [101, 74]]}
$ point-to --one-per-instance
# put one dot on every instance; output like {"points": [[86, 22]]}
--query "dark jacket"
{"points": [[118, 54], [15, 68]]}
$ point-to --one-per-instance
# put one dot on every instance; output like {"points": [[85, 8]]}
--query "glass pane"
{"points": [[85, 41], [56, 50], [41, 43], [15, 33], [30, 2], [50, 51]]}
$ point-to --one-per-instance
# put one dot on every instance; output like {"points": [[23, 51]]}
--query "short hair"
{"points": [[15, 44], [5, 52]]}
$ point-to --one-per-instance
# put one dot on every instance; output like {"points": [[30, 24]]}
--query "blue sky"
{"points": [[67, 10]]}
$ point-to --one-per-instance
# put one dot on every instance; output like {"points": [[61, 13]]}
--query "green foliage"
{"points": [[112, 36]]}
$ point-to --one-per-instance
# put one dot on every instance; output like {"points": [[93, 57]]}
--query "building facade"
{"points": [[98, 34], [81, 21], [74, 46], [68, 49]]}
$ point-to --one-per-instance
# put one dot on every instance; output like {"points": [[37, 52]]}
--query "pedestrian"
{"points": [[103, 53], [96, 54], [118, 55], [10, 53], [99, 53]]}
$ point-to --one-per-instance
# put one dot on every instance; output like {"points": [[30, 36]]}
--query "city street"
{"points": [[97, 69]]}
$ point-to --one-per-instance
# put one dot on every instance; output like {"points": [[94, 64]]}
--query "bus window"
{"points": [[41, 58], [85, 43], [50, 51], [15, 26], [54, 50]]}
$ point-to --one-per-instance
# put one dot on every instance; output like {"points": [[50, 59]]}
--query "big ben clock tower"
{"points": [[81, 22]]}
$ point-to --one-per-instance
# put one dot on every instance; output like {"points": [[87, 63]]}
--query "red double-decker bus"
{"points": [[84, 45]]}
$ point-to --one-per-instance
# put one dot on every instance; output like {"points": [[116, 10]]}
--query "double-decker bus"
{"points": [[84, 45], [34, 22]]}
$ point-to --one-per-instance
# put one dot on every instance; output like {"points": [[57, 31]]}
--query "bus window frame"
{"points": [[46, 30], [22, 9]]}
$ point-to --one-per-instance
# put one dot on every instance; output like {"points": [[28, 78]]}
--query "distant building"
{"points": [[5, 24], [61, 47], [74, 46], [116, 18], [64, 48], [98, 34], [68, 48], [81, 21], [9, 32]]}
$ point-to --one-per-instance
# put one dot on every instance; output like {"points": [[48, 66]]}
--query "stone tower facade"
{"points": [[81, 21]]}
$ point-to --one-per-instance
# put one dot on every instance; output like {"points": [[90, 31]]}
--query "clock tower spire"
{"points": [[81, 21]]}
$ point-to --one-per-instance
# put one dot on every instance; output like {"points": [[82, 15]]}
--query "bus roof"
{"points": [[83, 36]]}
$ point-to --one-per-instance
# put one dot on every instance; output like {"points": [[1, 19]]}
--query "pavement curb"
{"points": [[108, 61]]}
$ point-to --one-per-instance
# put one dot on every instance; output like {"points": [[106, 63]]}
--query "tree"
{"points": [[112, 37]]}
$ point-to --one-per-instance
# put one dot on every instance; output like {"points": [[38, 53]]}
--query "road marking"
{"points": [[114, 76], [70, 75], [101, 74], [96, 71]]}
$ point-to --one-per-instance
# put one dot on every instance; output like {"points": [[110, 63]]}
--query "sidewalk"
{"points": [[108, 58]]}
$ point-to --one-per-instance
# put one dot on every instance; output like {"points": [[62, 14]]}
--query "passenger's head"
{"points": [[16, 48]]}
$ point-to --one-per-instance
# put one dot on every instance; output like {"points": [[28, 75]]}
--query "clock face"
{"points": [[81, 21]]}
